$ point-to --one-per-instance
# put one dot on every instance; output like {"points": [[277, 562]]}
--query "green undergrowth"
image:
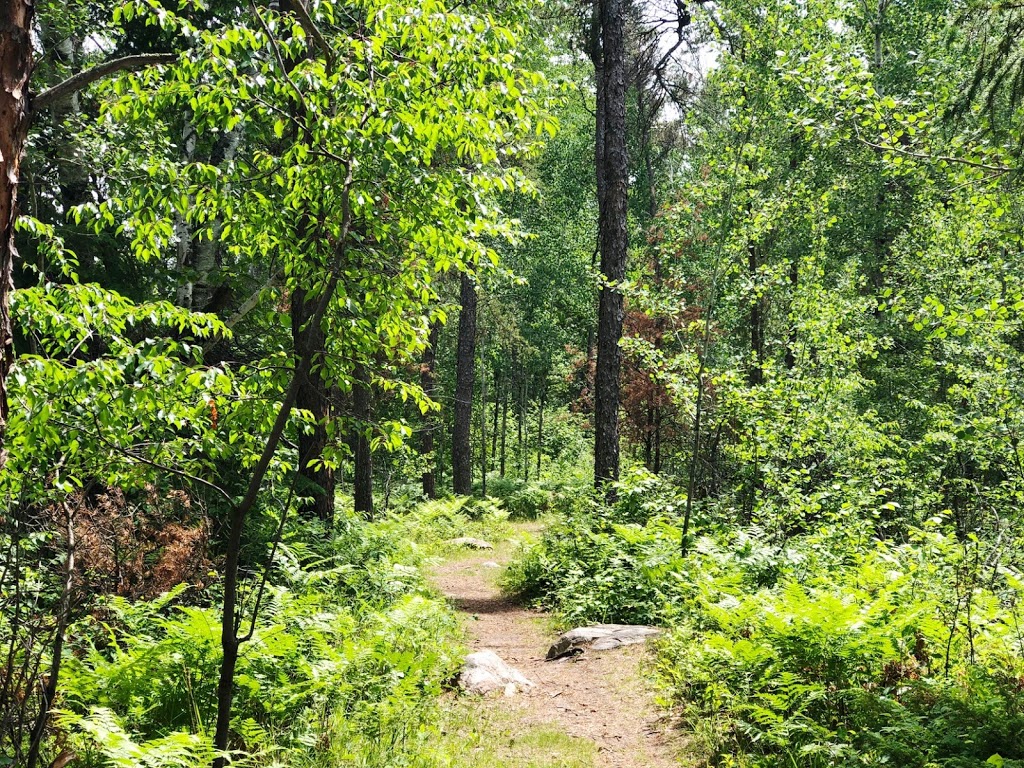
{"points": [[476, 734], [349, 655], [831, 647], [426, 530], [529, 500]]}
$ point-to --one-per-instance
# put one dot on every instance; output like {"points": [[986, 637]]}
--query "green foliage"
{"points": [[831, 648], [423, 530], [346, 653]]}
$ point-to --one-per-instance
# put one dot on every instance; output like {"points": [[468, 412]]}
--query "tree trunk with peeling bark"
{"points": [[16, 18]]}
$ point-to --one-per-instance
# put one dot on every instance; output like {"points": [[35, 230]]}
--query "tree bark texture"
{"points": [[613, 169], [465, 358], [16, 18], [317, 481], [362, 407]]}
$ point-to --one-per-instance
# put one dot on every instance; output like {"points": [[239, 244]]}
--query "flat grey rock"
{"points": [[469, 541], [600, 637], [484, 672]]}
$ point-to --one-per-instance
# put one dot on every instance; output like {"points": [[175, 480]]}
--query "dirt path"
{"points": [[597, 696]]}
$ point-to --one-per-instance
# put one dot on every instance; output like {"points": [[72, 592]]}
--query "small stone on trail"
{"points": [[469, 541], [600, 637], [490, 564], [484, 672]]}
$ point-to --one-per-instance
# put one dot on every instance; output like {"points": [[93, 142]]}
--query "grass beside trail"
{"points": [[478, 734]]}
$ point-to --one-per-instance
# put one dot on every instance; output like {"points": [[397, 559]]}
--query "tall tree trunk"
{"points": [[523, 462], [317, 481], [657, 439], [361, 411], [649, 436], [428, 383], [230, 620], [540, 425], [442, 438], [483, 429], [504, 427], [494, 420], [755, 374], [462, 479], [16, 18], [613, 169]]}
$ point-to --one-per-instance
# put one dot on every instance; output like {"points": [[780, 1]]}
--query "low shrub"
{"points": [[828, 649], [347, 659]]}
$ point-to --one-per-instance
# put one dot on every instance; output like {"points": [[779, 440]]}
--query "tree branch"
{"points": [[75, 83], [995, 169], [311, 29]]}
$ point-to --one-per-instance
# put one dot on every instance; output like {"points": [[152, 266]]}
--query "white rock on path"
{"points": [[600, 637], [484, 672]]}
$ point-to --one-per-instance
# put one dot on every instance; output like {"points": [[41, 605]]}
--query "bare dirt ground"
{"points": [[598, 696]]}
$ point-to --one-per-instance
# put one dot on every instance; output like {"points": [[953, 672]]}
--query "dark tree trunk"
{"points": [[316, 480], [442, 436], [657, 440], [613, 171], [649, 436], [16, 18], [428, 382], [504, 427], [523, 461], [230, 618], [361, 411], [540, 425], [755, 374], [462, 478], [483, 430]]}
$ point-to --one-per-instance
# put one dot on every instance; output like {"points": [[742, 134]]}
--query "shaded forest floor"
{"points": [[589, 710]]}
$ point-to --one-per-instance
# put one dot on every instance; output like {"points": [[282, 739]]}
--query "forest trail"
{"points": [[598, 697]]}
